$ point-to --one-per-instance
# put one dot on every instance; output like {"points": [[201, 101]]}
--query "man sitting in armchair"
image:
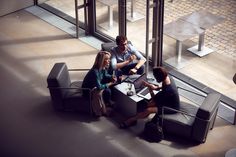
{"points": [[126, 58]]}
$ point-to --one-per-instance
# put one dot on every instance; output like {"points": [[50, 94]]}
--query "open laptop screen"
{"points": [[138, 83], [142, 90], [131, 78]]}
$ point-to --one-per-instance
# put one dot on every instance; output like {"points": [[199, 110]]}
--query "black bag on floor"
{"points": [[153, 131]]}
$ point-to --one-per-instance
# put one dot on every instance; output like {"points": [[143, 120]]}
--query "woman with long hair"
{"points": [[98, 77]]}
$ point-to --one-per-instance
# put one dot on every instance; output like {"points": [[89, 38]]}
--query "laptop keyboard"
{"points": [[145, 92]]}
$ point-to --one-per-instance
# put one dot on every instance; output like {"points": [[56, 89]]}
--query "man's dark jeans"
{"points": [[125, 70]]}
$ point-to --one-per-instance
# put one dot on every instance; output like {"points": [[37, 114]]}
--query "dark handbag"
{"points": [[153, 131]]}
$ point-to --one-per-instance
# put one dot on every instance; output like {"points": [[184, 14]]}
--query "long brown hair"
{"points": [[98, 63]]}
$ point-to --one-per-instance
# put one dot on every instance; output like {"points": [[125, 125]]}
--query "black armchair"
{"points": [[67, 95], [107, 46], [234, 78], [192, 121]]}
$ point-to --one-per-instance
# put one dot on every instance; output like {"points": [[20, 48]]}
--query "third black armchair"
{"points": [[192, 121]]}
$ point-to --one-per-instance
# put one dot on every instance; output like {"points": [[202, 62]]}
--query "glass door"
{"points": [[137, 19], [106, 17], [144, 28], [199, 42], [136, 23], [70, 10]]}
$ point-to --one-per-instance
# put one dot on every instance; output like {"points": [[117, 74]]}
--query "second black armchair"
{"points": [[65, 94]]}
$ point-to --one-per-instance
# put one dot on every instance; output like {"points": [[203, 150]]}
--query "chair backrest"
{"points": [[109, 45], [205, 117], [234, 78], [58, 78]]}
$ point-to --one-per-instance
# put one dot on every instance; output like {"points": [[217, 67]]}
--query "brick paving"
{"points": [[222, 37]]}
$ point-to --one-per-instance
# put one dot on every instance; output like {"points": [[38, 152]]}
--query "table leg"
{"points": [[178, 50], [134, 16], [201, 41], [200, 49], [110, 16], [177, 62], [132, 8], [108, 25], [234, 117]]}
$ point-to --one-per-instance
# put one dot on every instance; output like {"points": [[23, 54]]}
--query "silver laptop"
{"points": [[140, 89]]}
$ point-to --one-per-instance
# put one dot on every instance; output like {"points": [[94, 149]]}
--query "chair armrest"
{"points": [[69, 88], [78, 88], [78, 69], [171, 109], [193, 96], [178, 111], [191, 91]]}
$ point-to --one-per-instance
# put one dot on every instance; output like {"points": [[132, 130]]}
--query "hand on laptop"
{"points": [[150, 85]]}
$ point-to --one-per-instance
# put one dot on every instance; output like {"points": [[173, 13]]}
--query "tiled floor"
{"points": [[30, 128]]}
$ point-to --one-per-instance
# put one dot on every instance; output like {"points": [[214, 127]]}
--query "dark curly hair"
{"points": [[120, 39], [159, 73]]}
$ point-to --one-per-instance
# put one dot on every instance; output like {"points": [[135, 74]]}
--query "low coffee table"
{"points": [[126, 105]]}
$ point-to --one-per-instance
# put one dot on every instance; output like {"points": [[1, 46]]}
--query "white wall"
{"points": [[9, 6]]}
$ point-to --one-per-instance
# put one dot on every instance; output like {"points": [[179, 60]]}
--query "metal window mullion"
{"points": [[122, 17], [147, 36], [86, 16], [158, 12], [148, 6], [77, 18]]}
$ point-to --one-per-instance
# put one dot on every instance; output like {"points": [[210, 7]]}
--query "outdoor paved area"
{"points": [[222, 37]]}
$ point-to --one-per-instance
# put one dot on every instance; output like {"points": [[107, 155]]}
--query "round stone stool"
{"points": [[231, 153]]}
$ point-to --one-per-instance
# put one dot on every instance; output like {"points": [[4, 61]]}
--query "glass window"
{"points": [[107, 17], [199, 41], [136, 24], [64, 9]]}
